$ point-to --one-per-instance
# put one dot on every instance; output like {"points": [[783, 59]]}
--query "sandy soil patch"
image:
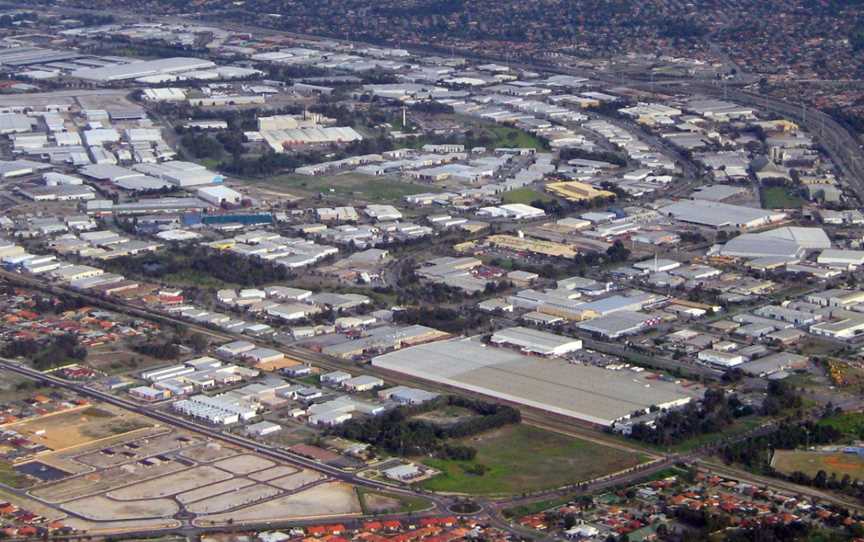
{"points": [[172, 484], [333, 499], [208, 452], [295, 481], [244, 464], [102, 481], [213, 490], [101, 508], [234, 499], [272, 474]]}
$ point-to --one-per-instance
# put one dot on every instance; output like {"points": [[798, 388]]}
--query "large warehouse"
{"points": [[592, 394], [143, 68], [534, 341], [721, 215]]}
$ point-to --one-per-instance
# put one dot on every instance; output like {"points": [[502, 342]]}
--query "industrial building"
{"points": [[593, 394], [142, 68], [533, 341], [721, 215]]}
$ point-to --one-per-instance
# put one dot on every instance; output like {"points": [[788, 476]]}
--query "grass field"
{"points": [[778, 197], [850, 424], [810, 463], [524, 195], [505, 136], [353, 185], [11, 478], [376, 502], [523, 458]]}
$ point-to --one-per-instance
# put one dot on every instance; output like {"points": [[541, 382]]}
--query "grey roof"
{"points": [[585, 392]]}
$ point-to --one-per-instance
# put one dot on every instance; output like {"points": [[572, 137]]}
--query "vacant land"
{"points": [[103, 509], [349, 185], [524, 195], [172, 484], [79, 426], [851, 424], [244, 464], [374, 502], [212, 490], [522, 458], [778, 197], [810, 463], [331, 499]]}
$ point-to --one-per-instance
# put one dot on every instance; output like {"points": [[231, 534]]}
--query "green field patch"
{"points": [[378, 502], [524, 195], [779, 197], [353, 185], [521, 458], [851, 424], [810, 463]]}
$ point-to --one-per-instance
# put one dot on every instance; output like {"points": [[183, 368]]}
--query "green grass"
{"points": [[196, 278], [522, 458], [810, 463], [851, 424], [505, 136], [779, 197], [740, 426], [534, 507], [406, 504], [9, 477], [524, 195], [352, 185]]}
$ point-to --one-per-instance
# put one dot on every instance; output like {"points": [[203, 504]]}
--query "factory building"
{"points": [[533, 341]]}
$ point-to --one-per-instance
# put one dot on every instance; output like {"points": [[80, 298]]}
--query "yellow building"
{"points": [[576, 191], [535, 246]]}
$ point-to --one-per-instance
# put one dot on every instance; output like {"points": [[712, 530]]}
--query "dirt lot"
{"points": [[101, 481], [173, 484], [142, 447], [326, 500], [208, 452], [244, 464], [295, 481], [272, 474], [212, 490], [103, 509], [80, 426], [234, 499]]}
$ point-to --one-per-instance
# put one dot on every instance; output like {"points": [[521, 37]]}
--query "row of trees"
{"points": [[757, 453], [47, 353], [717, 411], [223, 266], [397, 433]]}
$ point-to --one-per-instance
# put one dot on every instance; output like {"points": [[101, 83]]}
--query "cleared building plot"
{"points": [[101, 508], [212, 490], [272, 474], [234, 499], [172, 484], [144, 445], [79, 426], [296, 481], [244, 464], [102, 481], [325, 500], [588, 393], [208, 452]]}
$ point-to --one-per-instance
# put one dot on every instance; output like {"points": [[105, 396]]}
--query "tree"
{"points": [[617, 252]]}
